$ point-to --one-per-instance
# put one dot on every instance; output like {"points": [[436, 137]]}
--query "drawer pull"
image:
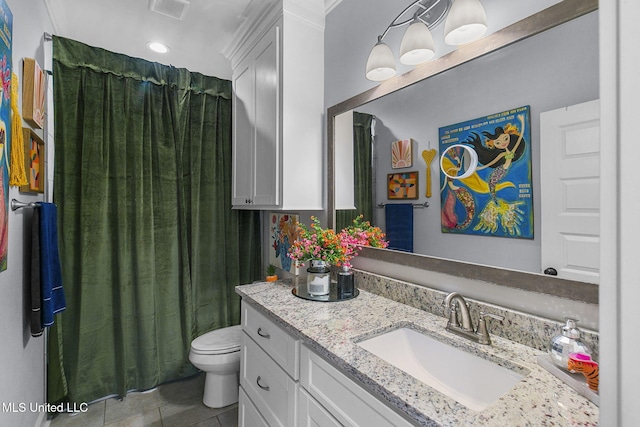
{"points": [[264, 387], [263, 335]]}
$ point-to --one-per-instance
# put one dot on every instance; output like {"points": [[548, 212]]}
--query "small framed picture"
{"points": [[34, 89], [402, 185], [34, 162], [402, 154]]}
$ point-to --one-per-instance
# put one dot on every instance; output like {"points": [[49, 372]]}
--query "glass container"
{"points": [[318, 278]]}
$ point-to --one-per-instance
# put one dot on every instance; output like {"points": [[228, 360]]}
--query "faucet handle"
{"points": [[453, 317], [483, 331]]}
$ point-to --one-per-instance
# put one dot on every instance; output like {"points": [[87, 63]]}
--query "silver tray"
{"points": [[301, 292]]}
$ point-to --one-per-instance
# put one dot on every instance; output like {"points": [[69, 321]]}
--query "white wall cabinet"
{"points": [[284, 383], [256, 151], [278, 106]]}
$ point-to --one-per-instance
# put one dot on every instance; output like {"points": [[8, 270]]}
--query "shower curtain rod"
{"points": [[16, 204]]}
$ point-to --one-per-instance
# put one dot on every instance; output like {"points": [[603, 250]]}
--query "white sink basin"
{"points": [[465, 377]]}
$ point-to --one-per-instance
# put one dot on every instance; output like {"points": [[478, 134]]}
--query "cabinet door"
{"points": [[248, 415], [348, 402], [243, 133], [266, 182], [311, 413]]}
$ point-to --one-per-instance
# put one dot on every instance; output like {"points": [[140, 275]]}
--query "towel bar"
{"points": [[16, 204], [415, 205]]}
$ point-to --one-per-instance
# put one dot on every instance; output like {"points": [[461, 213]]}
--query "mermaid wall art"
{"points": [[496, 199]]}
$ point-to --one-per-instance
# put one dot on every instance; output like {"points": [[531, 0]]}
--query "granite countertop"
{"points": [[332, 330]]}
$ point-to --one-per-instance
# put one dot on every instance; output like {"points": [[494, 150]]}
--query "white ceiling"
{"points": [[125, 26]]}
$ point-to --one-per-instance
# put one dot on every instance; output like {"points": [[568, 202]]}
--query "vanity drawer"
{"points": [[278, 344], [248, 415], [348, 402], [272, 391]]}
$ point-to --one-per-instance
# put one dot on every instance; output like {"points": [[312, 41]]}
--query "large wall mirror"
{"points": [[525, 64]]}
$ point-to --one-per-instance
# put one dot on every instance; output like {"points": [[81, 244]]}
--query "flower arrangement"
{"points": [[314, 242]]}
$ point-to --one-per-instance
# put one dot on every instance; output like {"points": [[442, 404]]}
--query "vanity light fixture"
{"points": [[465, 21], [158, 47]]}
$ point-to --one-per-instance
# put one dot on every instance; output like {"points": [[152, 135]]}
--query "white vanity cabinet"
{"points": [[284, 383], [278, 106], [311, 413], [269, 371], [343, 398]]}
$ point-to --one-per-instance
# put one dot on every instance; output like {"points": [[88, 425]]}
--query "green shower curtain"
{"points": [[362, 171], [150, 247]]}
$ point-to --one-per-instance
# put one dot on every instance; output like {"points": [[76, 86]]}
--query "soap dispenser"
{"points": [[567, 343]]}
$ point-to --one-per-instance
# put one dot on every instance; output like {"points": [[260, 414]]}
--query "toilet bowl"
{"points": [[217, 353]]}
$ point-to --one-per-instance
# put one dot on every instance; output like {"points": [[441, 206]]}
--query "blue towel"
{"points": [[53, 300], [399, 226], [36, 288]]}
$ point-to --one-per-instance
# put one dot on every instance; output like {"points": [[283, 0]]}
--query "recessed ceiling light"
{"points": [[157, 47]]}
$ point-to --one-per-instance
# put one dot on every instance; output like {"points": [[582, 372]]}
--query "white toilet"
{"points": [[217, 353]]}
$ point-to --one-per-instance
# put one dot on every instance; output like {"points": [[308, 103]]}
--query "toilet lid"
{"points": [[224, 340]]}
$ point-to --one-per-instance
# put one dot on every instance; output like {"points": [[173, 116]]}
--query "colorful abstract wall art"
{"points": [[496, 199], [402, 185], [6, 27], [34, 162], [402, 154], [283, 231]]}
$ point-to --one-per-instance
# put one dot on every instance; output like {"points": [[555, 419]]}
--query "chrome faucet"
{"points": [[457, 304]]}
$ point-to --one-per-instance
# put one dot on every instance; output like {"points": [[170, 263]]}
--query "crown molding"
{"points": [[260, 15]]}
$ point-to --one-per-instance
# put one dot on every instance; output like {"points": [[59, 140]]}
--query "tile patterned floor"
{"points": [[176, 404]]}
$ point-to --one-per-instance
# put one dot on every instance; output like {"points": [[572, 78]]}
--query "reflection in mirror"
{"points": [[535, 71], [361, 155]]}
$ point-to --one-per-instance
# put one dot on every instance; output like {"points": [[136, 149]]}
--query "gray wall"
{"points": [[22, 378], [535, 72]]}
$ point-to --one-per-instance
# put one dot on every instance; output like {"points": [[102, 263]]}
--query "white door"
{"points": [[570, 183]]}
